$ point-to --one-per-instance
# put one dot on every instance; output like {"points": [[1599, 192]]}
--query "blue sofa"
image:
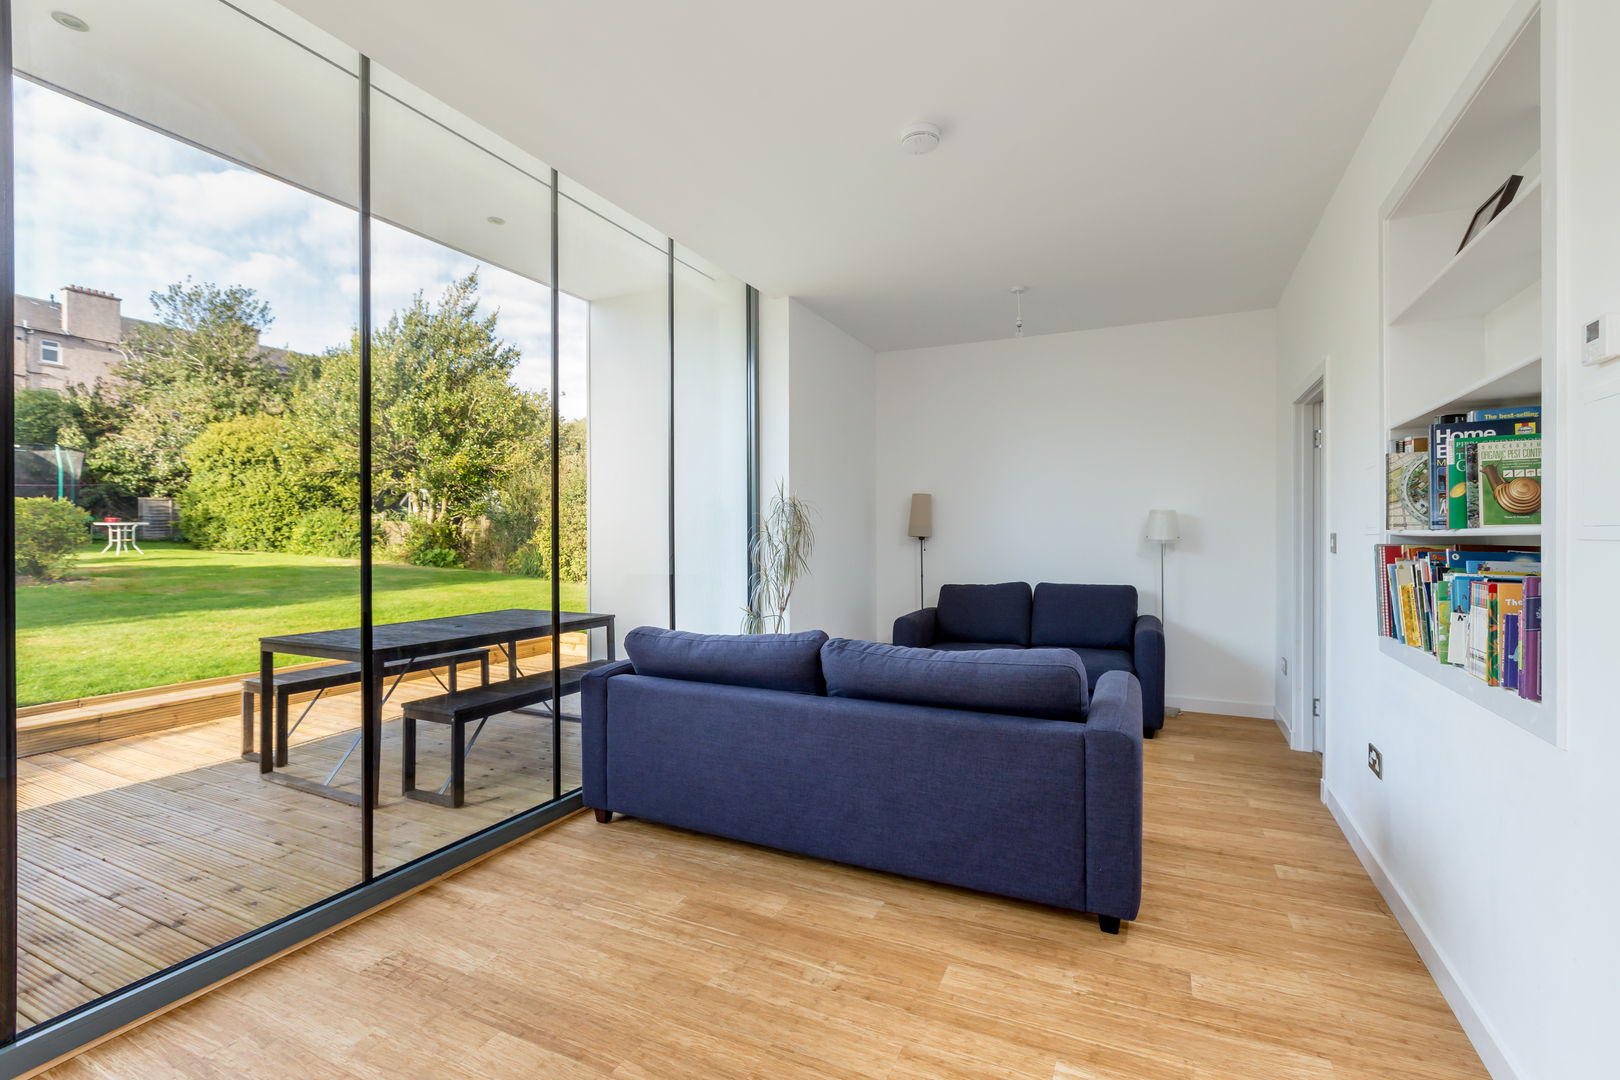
{"points": [[1098, 623], [994, 771]]}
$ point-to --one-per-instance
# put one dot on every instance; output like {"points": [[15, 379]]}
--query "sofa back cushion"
{"points": [[1087, 616], [995, 614], [790, 662], [1045, 683]]}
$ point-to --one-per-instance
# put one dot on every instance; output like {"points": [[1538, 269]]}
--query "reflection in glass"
{"points": [[186, 252], [461, 467]]}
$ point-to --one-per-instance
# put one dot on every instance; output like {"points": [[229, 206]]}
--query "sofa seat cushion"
{"points": [[1087, 616], [993, 613], [971, 646], [790, 662], [1097, 661], [1044, 683]]}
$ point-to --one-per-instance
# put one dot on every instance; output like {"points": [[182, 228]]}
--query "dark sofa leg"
{"points": [[604, 816], [1109, 923], [1149, 732]]}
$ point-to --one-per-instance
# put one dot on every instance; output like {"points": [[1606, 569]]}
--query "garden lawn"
{"points": [[179, 613]]}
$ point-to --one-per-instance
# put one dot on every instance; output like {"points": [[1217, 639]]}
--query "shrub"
{"points": [[242, 495], [433, 543], [49, 533], [327, 532]]}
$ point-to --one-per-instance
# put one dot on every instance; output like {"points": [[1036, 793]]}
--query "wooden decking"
{"points": [[143, 851], [637, 952]]}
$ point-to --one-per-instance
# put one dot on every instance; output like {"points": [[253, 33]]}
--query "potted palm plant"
{"points": [[780, 555]]}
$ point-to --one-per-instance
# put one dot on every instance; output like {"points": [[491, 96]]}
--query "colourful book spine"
{"points": [[1510, 652], [1530, 634], [1442, 620], [1493, 645]]}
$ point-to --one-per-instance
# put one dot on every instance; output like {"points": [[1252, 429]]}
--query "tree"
{"points": [[445, 415], [200, 364], [241, 495], [42, 416]]}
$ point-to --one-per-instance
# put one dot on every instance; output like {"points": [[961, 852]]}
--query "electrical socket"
{"points": [[1375, 761], [1285, 665]]}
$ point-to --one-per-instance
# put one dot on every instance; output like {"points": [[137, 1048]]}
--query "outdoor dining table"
{"points": [[403, 641], [119, 533]]}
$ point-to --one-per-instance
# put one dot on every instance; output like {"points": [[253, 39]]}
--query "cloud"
{"points": [[108, 204]]}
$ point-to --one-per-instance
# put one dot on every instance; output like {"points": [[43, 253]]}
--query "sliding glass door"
{"points": [[345, 434]]}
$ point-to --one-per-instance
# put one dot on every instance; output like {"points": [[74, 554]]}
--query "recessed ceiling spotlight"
{"points": [[72, 22], [919, 138], [493, 220]]}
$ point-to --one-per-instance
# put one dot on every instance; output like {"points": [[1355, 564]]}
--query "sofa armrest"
{"points": [[1114, 797], [593, 687], [917, 630], [1147, 657]]}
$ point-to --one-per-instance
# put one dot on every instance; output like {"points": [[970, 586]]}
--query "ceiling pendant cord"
{"points": [[1018, 295]]}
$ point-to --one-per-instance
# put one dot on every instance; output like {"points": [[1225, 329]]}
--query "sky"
{"points": [[107, 204]]}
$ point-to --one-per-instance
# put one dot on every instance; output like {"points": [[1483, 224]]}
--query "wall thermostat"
{"points": [[1600, 339]]}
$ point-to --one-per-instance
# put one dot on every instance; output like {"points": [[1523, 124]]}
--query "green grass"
{"points": [[177, 613]]}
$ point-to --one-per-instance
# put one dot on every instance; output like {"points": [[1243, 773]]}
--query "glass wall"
{"points": [[264, 443], [186, 240]]}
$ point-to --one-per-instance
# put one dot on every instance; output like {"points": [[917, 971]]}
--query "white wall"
{"points": [[816, 429], [628, 472], [1044, 455], [1501, 851]]}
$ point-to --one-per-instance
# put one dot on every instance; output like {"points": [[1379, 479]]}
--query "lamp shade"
{"points": [[1162, 526], [922, 516]]}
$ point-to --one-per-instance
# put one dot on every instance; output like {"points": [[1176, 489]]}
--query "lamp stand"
{"points": [[1169, 710], [922, 582]]}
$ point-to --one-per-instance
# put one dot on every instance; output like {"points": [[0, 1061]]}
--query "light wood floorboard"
{"points": [[636, 951]]}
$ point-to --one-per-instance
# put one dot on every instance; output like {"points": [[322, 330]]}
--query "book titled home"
{"points": [[1440, 440]]}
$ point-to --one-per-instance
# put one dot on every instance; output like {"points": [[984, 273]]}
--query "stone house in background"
{"points": [[59, 344]]}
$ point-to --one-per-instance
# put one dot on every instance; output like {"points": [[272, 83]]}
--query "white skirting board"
{"points": [[1473, 1024], [1220, 707]]}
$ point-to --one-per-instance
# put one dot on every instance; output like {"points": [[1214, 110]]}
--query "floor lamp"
{"points": [[1163, 529], [922, 527]]}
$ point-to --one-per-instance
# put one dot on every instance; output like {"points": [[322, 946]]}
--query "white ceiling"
{"points": [[1128, 161]]}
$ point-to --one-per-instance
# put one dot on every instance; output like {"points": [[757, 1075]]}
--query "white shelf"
{"points": [[1534, 716], [1504, 388], [1502, 261], [1483, 533]]}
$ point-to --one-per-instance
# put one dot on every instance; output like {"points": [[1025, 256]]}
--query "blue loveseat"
{"points": [[1098, 623], [993, 771]]}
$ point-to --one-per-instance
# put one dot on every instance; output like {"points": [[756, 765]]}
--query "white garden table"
{"points": [[119, 533]]}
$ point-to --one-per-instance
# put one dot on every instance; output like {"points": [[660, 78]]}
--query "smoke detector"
{"points": [[919, 138]]}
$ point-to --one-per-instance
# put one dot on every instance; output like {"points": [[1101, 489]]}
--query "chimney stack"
{"points": [[92, 314]]}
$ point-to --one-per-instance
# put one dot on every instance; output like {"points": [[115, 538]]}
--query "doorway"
{"points": [[1311, 545]]}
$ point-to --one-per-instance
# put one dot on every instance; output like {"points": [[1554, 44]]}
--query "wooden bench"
{"points": [[329, 676], [458, 709]]}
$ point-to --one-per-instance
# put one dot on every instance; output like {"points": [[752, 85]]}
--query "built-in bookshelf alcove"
{"points": [[1465, 244]]}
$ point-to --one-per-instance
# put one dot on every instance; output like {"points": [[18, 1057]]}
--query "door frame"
{"points": [[1307, 508]]}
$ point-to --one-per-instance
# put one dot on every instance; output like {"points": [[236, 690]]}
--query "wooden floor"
{"points": [[138, 853], [638, 952]]}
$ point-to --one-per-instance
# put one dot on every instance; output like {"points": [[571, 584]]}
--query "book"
{"points": [[1510, 652], [1530, 641], [1508, 412], [1510, 480], [1441, 436], [1458, 558], [1479, 633], [1442, 620], [1407, 490], [1493, 638], [1383, 556], [1457, 639]]}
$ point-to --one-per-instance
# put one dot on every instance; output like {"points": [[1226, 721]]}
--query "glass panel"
{"points": [[186, 177], [711, 431], [461, 452], [617, 270]]}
